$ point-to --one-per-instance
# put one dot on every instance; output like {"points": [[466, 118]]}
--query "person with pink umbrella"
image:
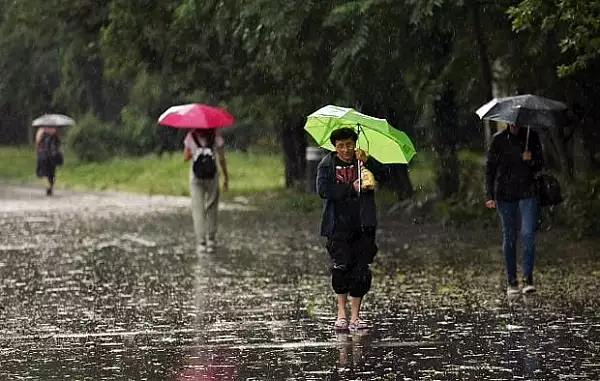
{"points": [[203, 146]]}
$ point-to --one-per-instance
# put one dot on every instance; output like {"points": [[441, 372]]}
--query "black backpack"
{"points": [[51, 148], [548, 190], [204, 166]]}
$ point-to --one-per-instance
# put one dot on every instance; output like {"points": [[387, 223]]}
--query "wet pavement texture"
{"points": [[109, 287]]}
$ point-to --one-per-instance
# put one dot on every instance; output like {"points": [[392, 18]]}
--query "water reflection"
{"points": [[131, 299], [203, 365], [351, 347]]}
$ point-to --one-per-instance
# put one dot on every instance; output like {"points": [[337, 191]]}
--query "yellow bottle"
{"points": [[367, 179]]}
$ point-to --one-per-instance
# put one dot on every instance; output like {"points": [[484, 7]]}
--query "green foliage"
{"points": [[578, 213], [93, 140], [28, 58], [273, 62], [575, 22], [137, 132], [467, 206], [471, 180], [580, 209], [22, 164]]}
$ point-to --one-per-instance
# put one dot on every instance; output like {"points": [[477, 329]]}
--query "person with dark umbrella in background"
{"points": [[513, 160]]}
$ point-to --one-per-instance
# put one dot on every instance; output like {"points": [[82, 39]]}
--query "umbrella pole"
{"points": [[527, 139], [358, 163], [359, 180]]}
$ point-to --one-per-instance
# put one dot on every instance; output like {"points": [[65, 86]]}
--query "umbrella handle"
{"points": [[359, 178], [527, 139]]}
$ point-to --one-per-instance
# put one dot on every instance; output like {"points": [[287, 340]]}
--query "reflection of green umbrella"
{"points": [[382, 141]]}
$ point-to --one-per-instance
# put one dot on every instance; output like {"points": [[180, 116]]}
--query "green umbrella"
{"points": [[382, 141]]}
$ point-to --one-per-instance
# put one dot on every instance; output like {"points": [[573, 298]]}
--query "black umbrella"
{"points": [[524, 110]]}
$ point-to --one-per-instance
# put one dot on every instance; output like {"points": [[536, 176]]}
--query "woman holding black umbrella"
{"points": [[514, 157]]}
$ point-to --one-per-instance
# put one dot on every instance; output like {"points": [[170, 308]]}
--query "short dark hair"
{"points": [[343, 134], [210, 134]]}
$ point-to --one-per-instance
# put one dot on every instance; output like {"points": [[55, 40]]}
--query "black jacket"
{"points": [[335, 194], [507, 176]]}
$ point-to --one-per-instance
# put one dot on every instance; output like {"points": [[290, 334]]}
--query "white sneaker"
{"points": [[512, 290], [529, 288], [201, 248], [210, 246]]}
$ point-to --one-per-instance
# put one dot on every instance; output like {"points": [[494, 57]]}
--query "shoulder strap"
{"points": [[196, 140], [210, 142]]}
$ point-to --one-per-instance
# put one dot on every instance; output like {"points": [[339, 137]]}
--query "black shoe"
{"points": [[49, 192]]}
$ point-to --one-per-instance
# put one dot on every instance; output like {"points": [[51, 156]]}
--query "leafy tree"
{"points": [[574, 22], [28, 62], [562, 48]]}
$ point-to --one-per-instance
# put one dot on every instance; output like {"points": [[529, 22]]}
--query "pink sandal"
{"points": [[358, 325], [341, 324]]}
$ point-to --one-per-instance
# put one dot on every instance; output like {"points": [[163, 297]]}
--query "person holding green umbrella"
{"points": [[349, 220]]}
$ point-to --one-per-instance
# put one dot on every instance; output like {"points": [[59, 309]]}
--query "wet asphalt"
{"points": [[108, 286]]}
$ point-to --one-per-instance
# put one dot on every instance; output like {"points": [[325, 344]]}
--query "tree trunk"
{"points": [[94, 77], [293, 141], [445, 132], [484, 62], [586, 152], [565, 153]]}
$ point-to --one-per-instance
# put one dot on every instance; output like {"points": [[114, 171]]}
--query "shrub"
{"points": [[467, 206], [93, 140], [137, 132], [580, 210]]}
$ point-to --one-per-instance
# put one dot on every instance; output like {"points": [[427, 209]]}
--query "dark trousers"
{"points": [[351, 254]]}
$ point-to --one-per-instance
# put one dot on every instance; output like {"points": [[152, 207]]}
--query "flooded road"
{"points": [[109, 287]]}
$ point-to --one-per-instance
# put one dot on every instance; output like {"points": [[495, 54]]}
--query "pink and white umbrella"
{"points": [[195, 115]]}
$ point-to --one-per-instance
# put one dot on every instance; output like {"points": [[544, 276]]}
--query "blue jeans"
{"points": [[507, 210]]}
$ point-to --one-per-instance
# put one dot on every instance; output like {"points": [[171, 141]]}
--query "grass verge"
{"points": [[255, 175], [248, 172]]}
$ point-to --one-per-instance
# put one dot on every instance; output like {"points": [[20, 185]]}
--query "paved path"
{"points": [[20, 199], [108, 286]]}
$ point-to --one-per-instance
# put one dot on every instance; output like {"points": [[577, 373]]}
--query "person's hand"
{"points": [[526, 156], [225, 184], [356, 185], [368, 180], [490, 204], [361, 154]]}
